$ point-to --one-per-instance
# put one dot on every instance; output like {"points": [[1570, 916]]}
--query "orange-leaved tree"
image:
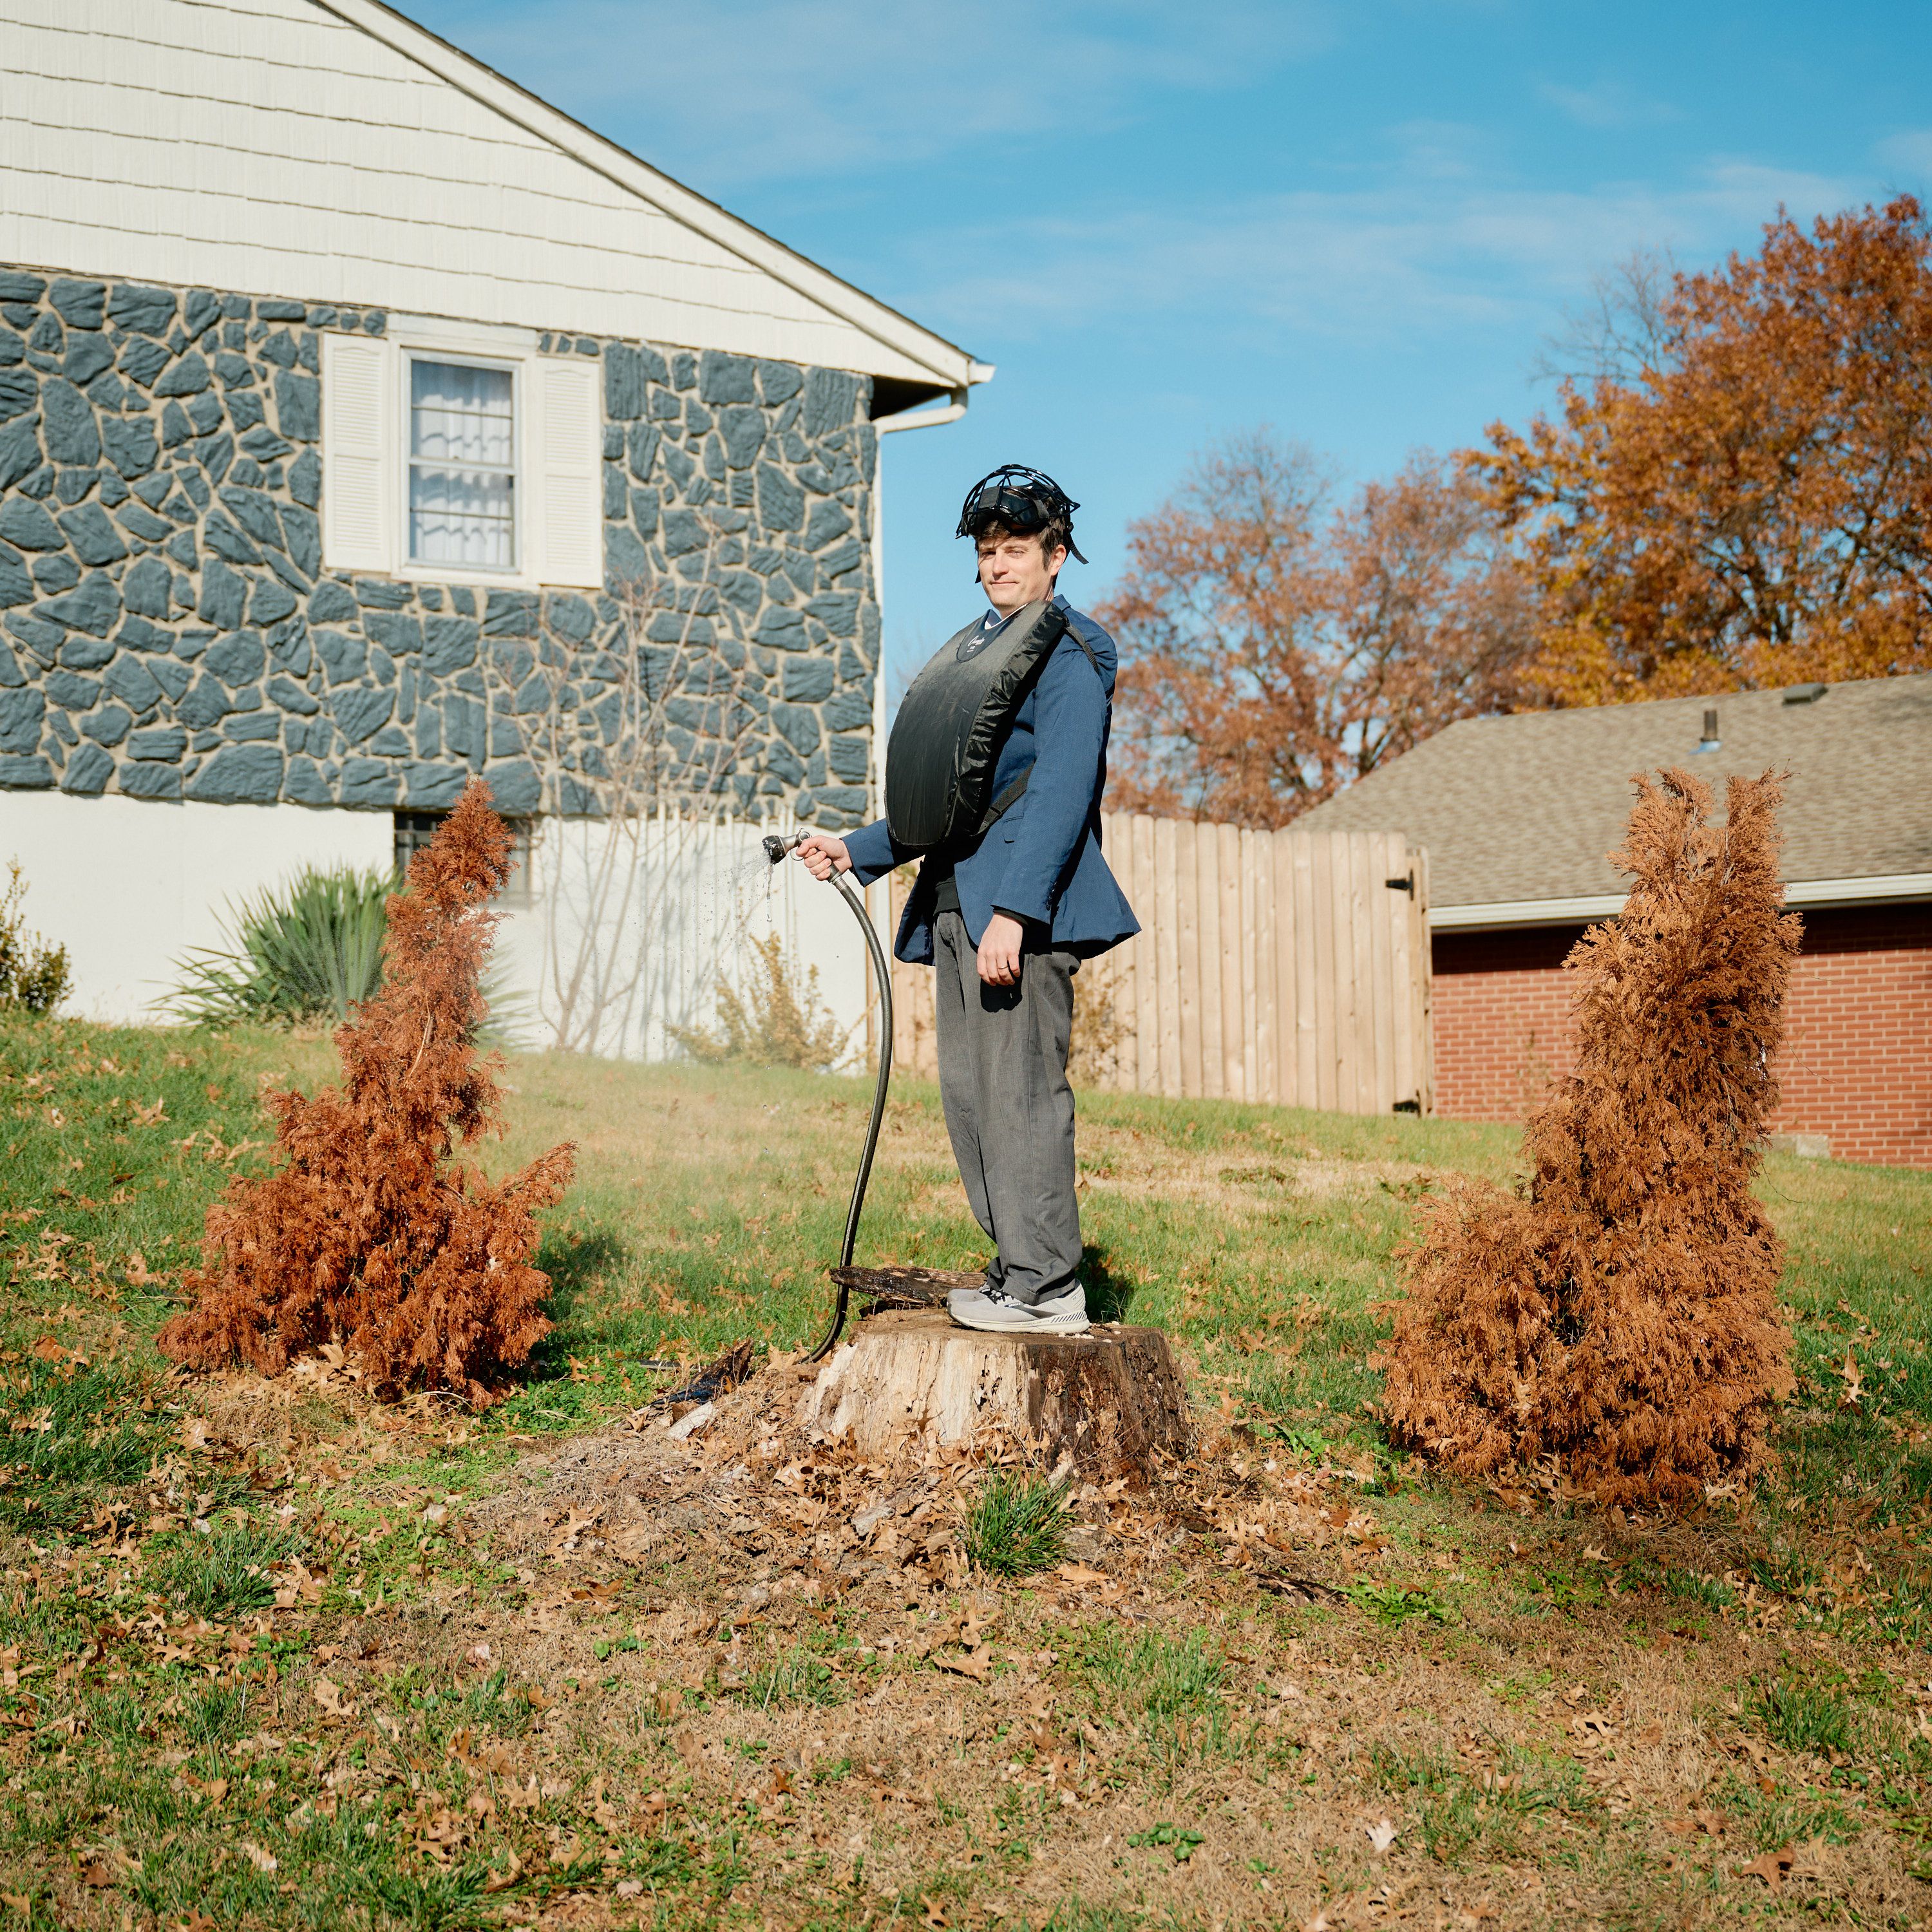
{"points": [[372, 1233], [1742, 497], [1275, 647], [1619, 1313]]}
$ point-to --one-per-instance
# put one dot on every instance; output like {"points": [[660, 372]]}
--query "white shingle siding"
{"points": [[272, 145]]}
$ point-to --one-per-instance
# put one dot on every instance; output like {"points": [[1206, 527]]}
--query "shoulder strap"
{"points": [[1012, 795]]}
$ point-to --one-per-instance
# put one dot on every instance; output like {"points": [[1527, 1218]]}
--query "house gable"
{"points": [[338, 152]]}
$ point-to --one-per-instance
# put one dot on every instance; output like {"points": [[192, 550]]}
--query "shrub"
{"points": [[1619, 1313], [1016, 1525], [371, 1233], [34, 977], [310, 950], [774, 1023]]}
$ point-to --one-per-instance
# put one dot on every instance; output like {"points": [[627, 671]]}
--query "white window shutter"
{"points": [[567, 437], [358, 423]]}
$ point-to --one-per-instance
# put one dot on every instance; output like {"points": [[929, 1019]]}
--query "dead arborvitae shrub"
{"points": [[372, 1234], [1618, 1313]]}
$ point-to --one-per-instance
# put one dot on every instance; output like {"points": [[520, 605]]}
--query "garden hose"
{"points": [[776, 848]]}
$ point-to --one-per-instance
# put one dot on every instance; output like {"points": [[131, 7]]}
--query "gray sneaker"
{"points": [[996, 1312]]}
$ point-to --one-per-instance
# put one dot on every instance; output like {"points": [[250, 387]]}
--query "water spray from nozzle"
{"points": [[778, 849]]}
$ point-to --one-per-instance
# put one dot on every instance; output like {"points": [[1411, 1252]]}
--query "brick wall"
{"points": [[1857, 1062]]}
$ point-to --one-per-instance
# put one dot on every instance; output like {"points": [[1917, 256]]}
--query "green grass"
{"points": [[798, 1677], [1016, 1525], [1461, 1810], [708, 1204], [226, 1571]]}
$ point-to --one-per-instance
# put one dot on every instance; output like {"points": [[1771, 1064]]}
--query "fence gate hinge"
{"points": [[1402, 885]]}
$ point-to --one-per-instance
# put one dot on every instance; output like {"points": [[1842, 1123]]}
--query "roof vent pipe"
{"points": [[1710, 740]]}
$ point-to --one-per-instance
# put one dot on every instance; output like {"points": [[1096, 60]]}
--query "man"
{"points": [[1005, 920]]}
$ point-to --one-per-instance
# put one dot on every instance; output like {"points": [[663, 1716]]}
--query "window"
{"points": [[414, 829], [462, 465], [461, 454]]}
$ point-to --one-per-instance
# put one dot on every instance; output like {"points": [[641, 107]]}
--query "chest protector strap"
{"points": [[953, 722]]}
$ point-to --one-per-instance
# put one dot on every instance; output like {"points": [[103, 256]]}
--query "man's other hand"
{"points": [[823, 855], [999, 950]]}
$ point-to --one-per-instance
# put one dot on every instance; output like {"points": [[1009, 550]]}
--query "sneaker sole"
{"points": [[1047, 1325]]}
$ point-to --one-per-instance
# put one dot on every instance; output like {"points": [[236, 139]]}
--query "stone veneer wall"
{"points": [[170, 631]]}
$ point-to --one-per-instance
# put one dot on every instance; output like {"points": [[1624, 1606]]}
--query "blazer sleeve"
{"points": [[872, 852], [1069, 739]]}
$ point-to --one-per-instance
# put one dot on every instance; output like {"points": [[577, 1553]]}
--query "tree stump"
{"points": [[1111, 1399]]}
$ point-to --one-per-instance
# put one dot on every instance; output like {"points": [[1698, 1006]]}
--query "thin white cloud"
{"points": [[1909, 151], [1404, 259], [1606, 104], [733, 90]]}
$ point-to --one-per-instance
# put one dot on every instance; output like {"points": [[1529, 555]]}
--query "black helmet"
{"points": [[1022, 499]]}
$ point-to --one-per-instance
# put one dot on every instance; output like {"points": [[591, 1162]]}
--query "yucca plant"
{"points": [[305, 952]]}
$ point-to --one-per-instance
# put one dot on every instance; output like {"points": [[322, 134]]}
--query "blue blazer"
{"points": [[1040, 860]]}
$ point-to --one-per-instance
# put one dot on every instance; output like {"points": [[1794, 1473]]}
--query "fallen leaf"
{"points": [[976, 1664], [262, 1860], [1080, 1574], [329, 1696], [1382, 1835], [1771, 1867], [1855, 1388], [932, 1913]]}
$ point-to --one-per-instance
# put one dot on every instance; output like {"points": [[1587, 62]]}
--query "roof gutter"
{"points": [[1505, 913]]}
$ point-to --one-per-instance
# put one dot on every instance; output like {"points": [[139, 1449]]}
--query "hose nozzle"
{"points": [[778, 849]]}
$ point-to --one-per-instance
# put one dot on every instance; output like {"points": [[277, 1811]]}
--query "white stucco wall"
{"points": [[128, 885], [629, 934]]}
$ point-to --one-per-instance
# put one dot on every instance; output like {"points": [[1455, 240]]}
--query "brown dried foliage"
{"points": [[1277, 645], [1618, 1313], [371, 1234], [1738, 493]]}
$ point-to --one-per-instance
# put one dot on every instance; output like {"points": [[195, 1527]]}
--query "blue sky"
{"points": [[1358, 222]]}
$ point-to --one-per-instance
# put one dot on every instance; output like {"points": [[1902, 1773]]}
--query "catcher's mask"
{"points": [[1020, 499]]}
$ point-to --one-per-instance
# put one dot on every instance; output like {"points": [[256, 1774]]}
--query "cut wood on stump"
{"points": [[1112, 1398]]}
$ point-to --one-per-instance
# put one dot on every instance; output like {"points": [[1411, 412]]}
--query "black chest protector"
{"points": [[953, 722]]}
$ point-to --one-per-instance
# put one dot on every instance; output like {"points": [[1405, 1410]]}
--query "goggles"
{"points": [[1020, 499]]}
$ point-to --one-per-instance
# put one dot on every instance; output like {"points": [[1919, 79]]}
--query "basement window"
{"points": [[414, 829]]}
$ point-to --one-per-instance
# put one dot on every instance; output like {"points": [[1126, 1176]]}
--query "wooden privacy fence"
{"points": [[1291, 967]]}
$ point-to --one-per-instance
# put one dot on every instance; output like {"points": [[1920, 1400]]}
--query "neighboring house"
{"points": [[1519, 814], [356, 410]]}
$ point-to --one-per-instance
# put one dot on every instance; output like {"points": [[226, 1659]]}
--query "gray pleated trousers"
{"points": [[1008, 1108]]}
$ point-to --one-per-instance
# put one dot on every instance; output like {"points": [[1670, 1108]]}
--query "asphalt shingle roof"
{"points": [[1526, 807]]}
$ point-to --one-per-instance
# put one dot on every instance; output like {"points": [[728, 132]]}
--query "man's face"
{"points": [[1015, 570]]}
